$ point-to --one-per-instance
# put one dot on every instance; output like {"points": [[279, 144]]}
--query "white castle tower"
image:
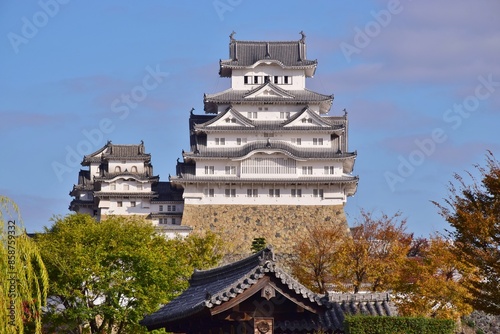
{"points": [[266, 158]]}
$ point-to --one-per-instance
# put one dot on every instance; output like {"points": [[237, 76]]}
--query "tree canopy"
{"points": [[106, 275], [376, 251], [431, 282], [23, 277], [473, 211]]}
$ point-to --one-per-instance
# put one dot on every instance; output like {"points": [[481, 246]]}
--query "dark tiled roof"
{"points": [[191, 178], [209, 288], [270, 145], [329, 124], [214, 287], [134, 194], [288, 54], [127, 175], [76, 203], [230, 95], [111, 151], [167, 193], [165, 228]]}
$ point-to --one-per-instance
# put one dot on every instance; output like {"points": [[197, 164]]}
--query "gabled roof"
{"points": [[111, 152], [232, 96], [210, 288], [216, 290], [308, 113], [289, 149], [287, 54], [268, 88], [228, 112]]}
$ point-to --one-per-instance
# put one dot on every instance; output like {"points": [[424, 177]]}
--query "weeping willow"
{"points": [[23, 277]]}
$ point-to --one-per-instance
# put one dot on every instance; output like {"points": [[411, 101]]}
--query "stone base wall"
{"points": [[280, 225]]}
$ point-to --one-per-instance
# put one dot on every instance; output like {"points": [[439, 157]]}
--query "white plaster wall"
{"points": [[298, 77], [333, 195], [231, 139], [125, 165]]}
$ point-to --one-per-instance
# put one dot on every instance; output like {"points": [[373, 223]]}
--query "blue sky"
{"points": [[419, 79]]}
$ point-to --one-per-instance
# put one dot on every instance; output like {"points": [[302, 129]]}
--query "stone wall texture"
{"points": [[280, 225]]}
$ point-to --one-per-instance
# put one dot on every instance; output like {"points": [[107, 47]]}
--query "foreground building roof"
{"points": [[254, 290]]}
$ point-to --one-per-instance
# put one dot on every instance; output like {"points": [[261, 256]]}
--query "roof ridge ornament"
{"points": [[267, 51], [267, 255], [231, 36], [303, 39]]}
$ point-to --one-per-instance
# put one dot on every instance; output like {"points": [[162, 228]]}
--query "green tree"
{"points": [[474, 213], [258, 244], [106, 275], [23, 277]]}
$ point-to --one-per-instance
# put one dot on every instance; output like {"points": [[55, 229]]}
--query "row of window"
{"points": [[260, 79], [118, 169], [296, 141], [132, 204], [282, 167], [112, 186], [172, 221], [254, 192], [168, 207]]}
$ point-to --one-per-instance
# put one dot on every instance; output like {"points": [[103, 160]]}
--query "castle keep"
{"points": [[265, 160]]}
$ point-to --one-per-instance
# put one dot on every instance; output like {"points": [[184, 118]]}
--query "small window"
{"points": [[220, 141], [317, 141], [287, 80], [230, 192], [255, 79], [297, 141], [132, 204], [209, 169], [296, 192], [276, 79], [252, 192], [240, 141], [329, 170], [209, 192], [118, 169], [160, 208], [246, 79], [174, 221], [274, 192], [267, 79], [307, 170], [134, 169], [230, 170], [119, 204], [318, 193]]}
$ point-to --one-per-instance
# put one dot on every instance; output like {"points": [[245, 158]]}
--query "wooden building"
{"points": [[255, 295]]}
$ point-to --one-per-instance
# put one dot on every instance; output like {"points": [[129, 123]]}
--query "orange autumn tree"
{"points": [[375, 253], [369, 256], [316, 263], [474, 213], [431, 283]]}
